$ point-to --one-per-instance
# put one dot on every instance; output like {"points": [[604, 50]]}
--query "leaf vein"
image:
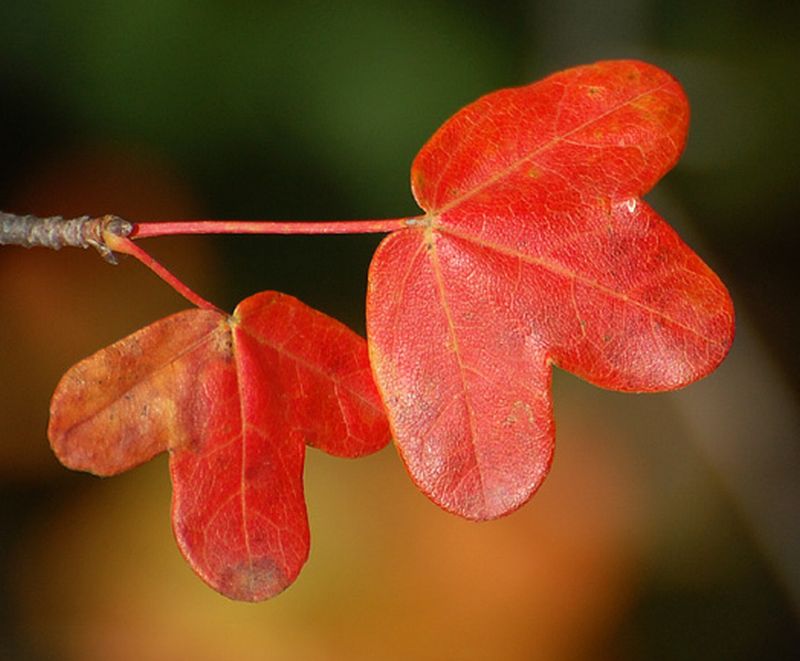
{"points": [[559, 270], [501, 174]]}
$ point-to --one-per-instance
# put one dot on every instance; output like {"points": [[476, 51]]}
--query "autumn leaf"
{"points": [[234, 400], [536, 249]]}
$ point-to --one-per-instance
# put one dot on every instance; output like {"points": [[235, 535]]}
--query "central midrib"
{"points": [[540, 150], [563, 272], [461, 367], [243, 473]]}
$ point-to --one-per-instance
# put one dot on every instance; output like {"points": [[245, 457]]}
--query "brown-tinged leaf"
{"points": [[234, 400]]}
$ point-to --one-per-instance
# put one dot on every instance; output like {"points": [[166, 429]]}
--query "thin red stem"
{"points": [[151, 229], [125, 245]]}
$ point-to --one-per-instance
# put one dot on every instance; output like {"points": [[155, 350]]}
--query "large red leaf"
{"points": [[234, 400], [536, 249]]}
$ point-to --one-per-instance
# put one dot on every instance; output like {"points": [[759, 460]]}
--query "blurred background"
{"points": [[669, 527]]}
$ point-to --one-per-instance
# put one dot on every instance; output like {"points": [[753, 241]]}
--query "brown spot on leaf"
{"points": [[256, 580], [222, 339]]}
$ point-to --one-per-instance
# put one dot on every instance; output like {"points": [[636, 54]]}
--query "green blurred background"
{"points": [[669, 527]]}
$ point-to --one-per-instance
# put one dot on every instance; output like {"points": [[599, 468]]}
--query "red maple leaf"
{"points": [[536, 249], [234, 400]]}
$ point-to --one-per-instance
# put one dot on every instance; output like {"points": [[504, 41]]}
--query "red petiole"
{"points": [[111, 234], [124, 244], [147, 230]]}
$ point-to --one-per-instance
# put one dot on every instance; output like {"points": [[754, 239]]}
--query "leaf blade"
{"points": [[475, 448], [133, 379], [325, 376], [534, 222], [232, 400], [626, 107], [238, 510]]}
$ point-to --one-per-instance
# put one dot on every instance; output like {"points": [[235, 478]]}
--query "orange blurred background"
{"points": [[669, 527]]}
